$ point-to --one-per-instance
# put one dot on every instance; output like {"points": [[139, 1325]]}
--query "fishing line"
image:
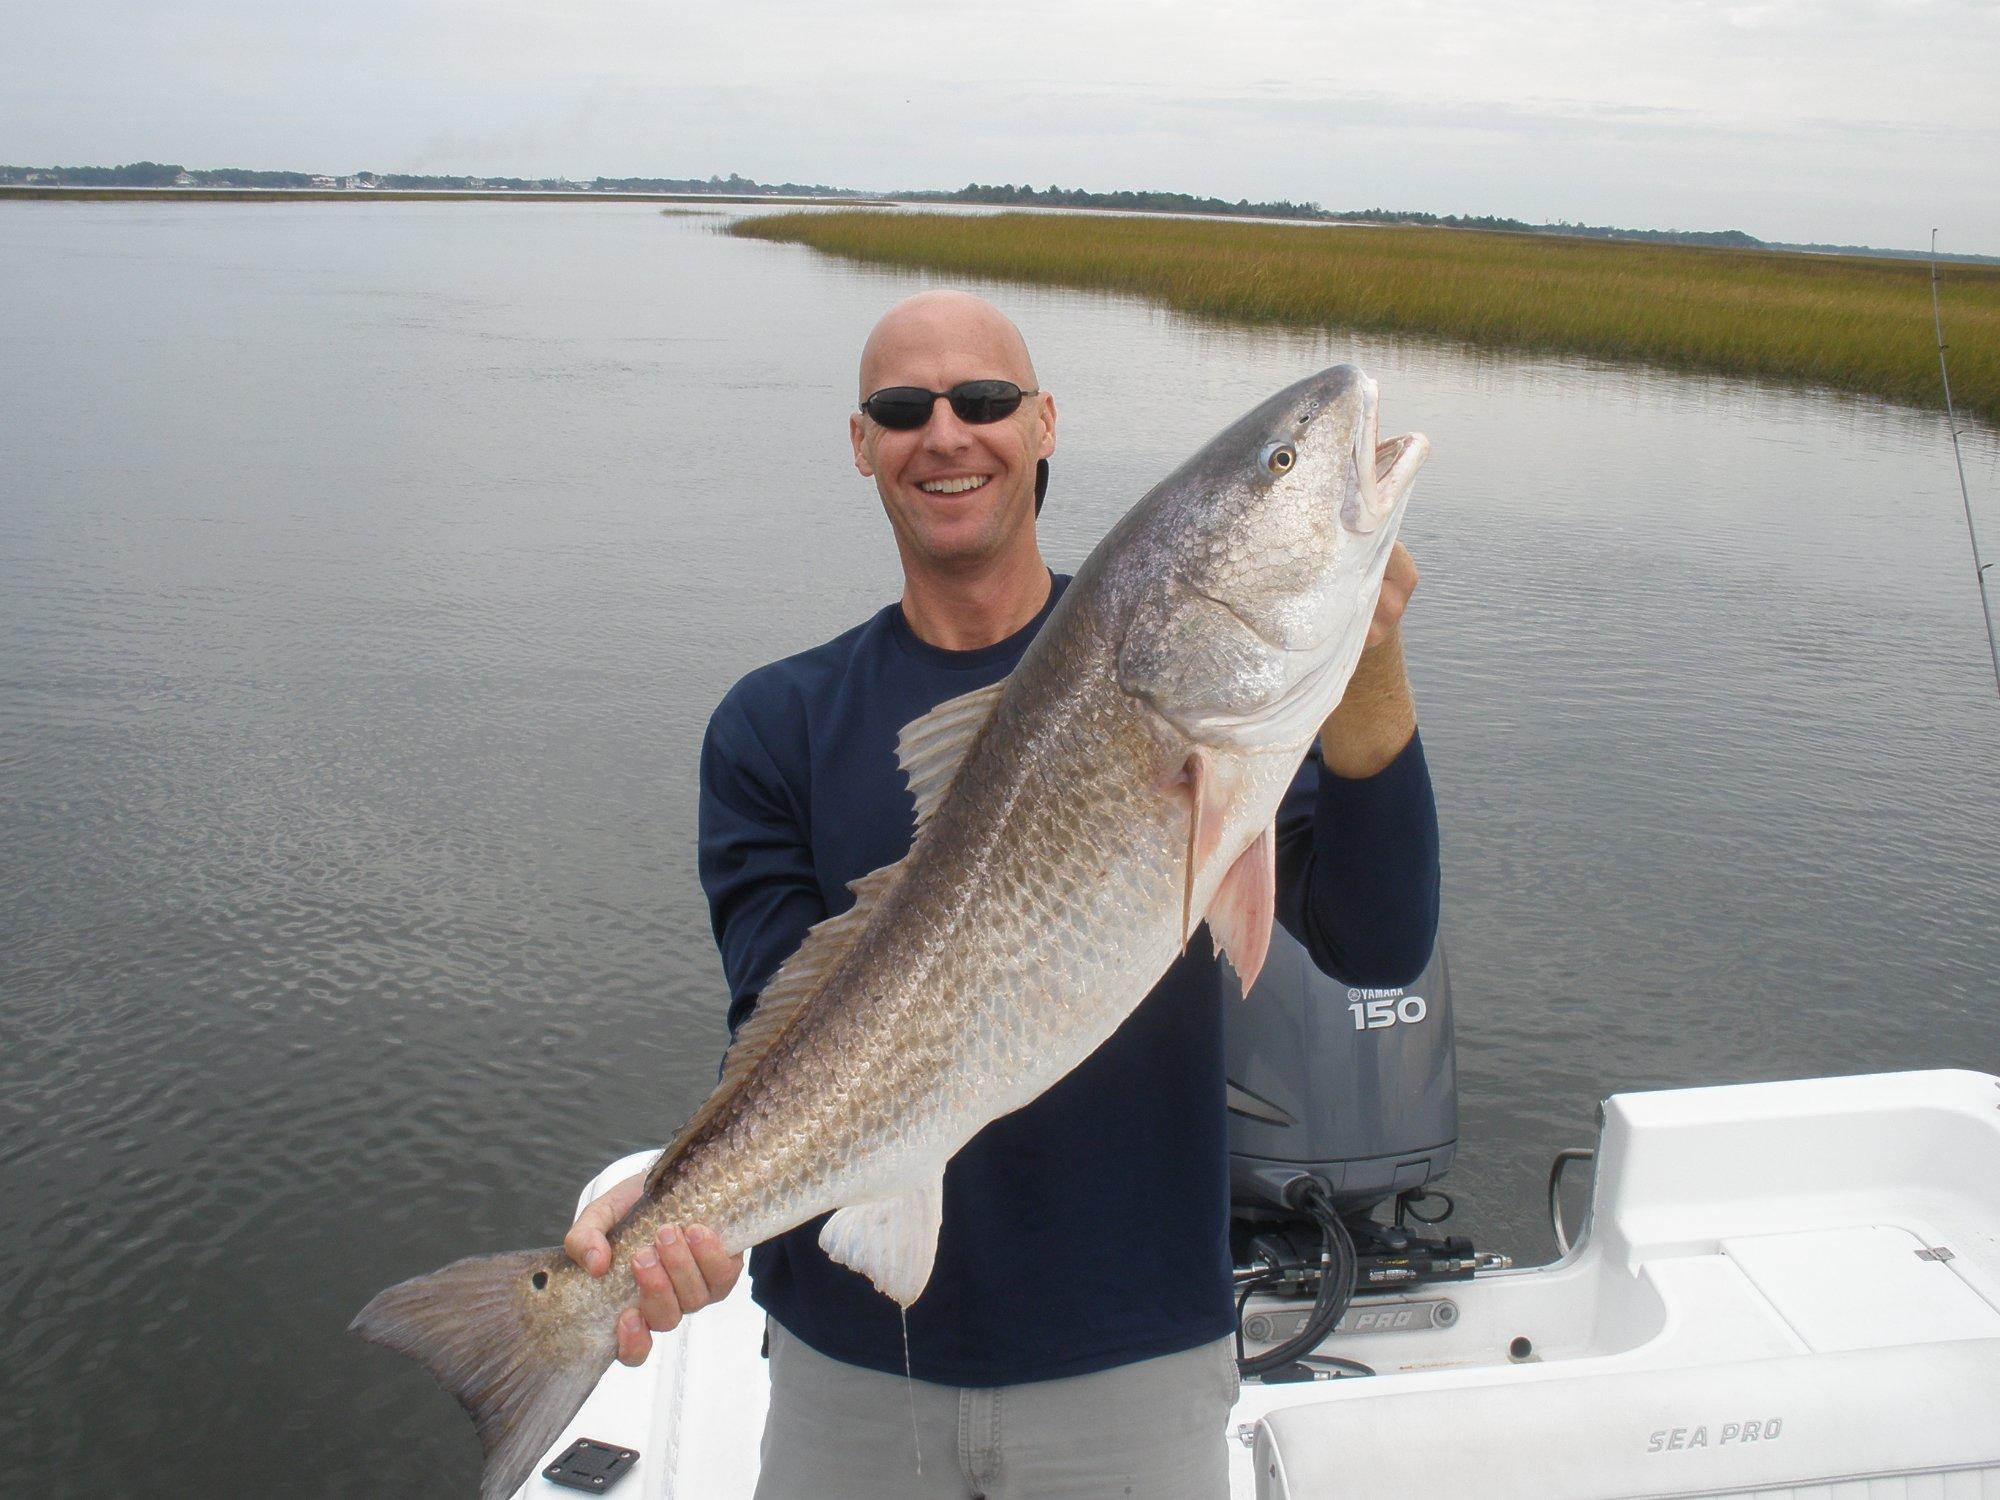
{"points": [[910, 1385], [1951, 417]]}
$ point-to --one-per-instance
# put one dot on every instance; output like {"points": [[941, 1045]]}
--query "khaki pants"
{"points": [[1151, 1431]]}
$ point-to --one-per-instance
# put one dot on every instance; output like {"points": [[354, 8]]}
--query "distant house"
{"points": [[325, 182], [183, 179]]}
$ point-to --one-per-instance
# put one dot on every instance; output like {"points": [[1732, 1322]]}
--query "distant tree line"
{"points": [[134, 174], [1733, 238], [1005, 194], [153, 174], [1727, 239], [171, 174]]}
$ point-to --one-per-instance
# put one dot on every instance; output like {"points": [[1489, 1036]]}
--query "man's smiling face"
{"points": [[958, 494]]}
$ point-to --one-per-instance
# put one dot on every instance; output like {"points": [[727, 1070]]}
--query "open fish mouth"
{"points": [[1382, 470], [1397, 460]]}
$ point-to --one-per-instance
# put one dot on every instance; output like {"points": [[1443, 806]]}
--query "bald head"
{"points": [[959, 493], [933, 330]]}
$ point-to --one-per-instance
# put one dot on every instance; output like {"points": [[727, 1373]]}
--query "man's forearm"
{"points": [[1376, 716]]}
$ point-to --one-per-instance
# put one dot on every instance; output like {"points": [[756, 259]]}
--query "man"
{"points": [[1081, 1286]]}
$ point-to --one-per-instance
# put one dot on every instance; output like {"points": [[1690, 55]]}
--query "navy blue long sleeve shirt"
{"points": [[1088, 1229]]}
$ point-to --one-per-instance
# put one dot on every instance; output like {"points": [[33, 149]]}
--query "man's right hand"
{"points": [[677, 1274]]}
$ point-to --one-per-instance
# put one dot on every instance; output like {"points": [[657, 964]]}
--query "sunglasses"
{"points": [[977, 402]]}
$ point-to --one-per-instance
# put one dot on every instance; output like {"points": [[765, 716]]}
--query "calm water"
{"points": [[368, 573]]}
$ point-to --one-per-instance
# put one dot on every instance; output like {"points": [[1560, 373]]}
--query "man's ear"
{"points": [[1048, 423], [854, 436]]}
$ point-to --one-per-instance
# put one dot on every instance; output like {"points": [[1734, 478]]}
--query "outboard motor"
{"points": [[1356, 1087], [1341, 1100]]}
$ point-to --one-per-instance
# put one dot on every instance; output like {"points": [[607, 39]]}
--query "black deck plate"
{"points": [[589, 1465]]}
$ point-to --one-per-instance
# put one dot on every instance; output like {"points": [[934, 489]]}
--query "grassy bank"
{"points": [[1854, 324]]}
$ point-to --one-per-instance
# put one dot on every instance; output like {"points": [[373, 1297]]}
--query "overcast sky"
{"points": [[1860, 121]]}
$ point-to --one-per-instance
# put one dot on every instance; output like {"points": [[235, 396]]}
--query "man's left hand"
{"points": [[1377, 715], [1399, 581]]}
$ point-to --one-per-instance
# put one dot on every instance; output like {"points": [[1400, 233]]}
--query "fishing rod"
{"points": [[1951, 417]]}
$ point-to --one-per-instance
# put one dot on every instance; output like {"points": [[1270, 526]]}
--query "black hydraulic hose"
{"points": [[1406, 1204], [1339, 1261], [1243, 1301]]}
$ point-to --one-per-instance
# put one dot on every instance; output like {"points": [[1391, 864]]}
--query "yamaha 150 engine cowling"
{"points": [[1355, 1087]]}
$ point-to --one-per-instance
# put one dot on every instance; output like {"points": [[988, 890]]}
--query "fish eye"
{"points": [[541, 1280], [1279, 457]]}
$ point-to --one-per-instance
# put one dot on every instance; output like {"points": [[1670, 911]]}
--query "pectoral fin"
{"points": [[1208, 810], [1245, 906], [891, 1241]]}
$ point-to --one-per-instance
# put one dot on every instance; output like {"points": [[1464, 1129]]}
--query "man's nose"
{"points": [[945, 433]]}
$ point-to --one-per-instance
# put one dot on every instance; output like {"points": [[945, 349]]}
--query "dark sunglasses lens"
{"points": [[981, 401], [901, 407]]}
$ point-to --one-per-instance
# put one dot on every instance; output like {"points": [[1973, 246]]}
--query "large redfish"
{"points": [[1074, 823]]}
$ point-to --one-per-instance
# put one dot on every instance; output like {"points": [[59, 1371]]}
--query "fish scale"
{"points": [[1074, 824]]}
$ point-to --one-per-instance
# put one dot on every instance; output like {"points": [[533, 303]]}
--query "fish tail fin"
{"points": [[488, 1330]]}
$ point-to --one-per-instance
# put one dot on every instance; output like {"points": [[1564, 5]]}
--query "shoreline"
{"points": [[39, 190]]}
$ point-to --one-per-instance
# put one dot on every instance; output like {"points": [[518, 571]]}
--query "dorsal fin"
{"points": [[782, 1002], [931, 749]]}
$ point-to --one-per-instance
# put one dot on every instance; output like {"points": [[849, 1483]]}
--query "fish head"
{"points": [[1251, 573]]}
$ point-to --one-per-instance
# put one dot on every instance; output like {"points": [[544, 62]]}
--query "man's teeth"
{"points": [[952, 486]]}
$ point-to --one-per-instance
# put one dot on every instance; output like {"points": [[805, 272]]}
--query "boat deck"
{"points": [[1787, 1288]]}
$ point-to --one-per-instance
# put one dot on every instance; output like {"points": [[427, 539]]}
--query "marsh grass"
{"points": [[1853, 323]]}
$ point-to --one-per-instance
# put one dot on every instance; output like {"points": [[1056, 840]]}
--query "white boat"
{"points": [[1782, 1289]]}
